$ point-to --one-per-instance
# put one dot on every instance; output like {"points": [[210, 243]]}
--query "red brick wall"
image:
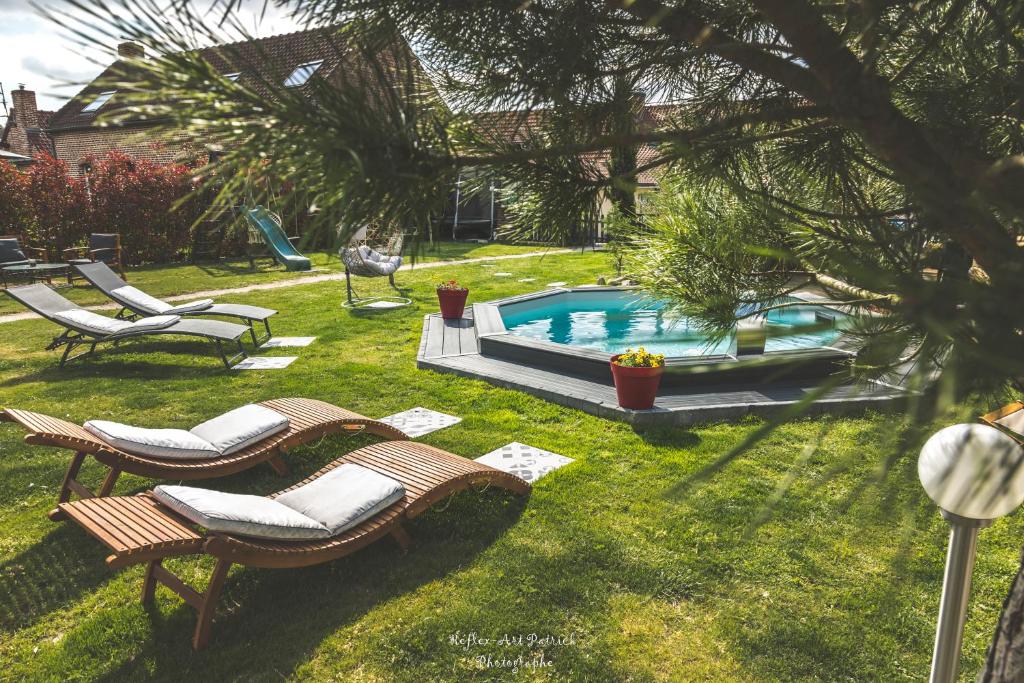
{"points": [[75, 146]]}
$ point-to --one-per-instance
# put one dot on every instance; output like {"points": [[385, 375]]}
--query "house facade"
{"points": [[73, 134]]}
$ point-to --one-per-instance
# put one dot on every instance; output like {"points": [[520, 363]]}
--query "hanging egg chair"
{"points": [[361, 260]]}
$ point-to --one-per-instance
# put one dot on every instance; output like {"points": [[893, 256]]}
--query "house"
{"points": [[480, 213], [290, 60], [24, 134]]}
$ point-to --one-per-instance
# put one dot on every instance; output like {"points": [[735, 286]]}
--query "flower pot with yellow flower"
{"points": [[637, 375]]}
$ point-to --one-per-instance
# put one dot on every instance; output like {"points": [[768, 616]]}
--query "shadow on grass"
{"points": [[56, 571], [269, 622], [674, 437]]}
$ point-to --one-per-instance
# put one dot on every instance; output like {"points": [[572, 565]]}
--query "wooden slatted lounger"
{"points": [[309, 420], [139, 529]]}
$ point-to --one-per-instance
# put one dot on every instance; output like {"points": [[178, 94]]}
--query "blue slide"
{"points": [[276, 239]]}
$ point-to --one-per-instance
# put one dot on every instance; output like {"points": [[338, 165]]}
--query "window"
{"points": [[99, 101], [233, 77], [302, 73]]}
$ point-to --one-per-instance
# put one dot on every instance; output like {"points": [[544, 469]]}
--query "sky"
{"points": [[39, 53]]}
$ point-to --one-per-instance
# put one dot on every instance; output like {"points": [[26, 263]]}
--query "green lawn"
{"points": [[650, 586], [185, 278]]}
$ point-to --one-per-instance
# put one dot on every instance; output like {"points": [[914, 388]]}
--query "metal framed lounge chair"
{"points": [[85, 328], [144, 529], [135, 302], [309, 420], [1009, 420]]}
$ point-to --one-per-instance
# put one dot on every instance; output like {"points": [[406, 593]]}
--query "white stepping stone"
{"points": [[279, 342], [526, 462], [503, 275], [417, 421], [557, 284], [383, 305], [266, 363], [528, 279]]}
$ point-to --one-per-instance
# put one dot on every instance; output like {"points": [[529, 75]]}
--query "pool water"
{"points": [[617, 320]]}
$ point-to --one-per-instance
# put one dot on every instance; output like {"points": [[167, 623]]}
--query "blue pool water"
{"points": [[614, 321]]}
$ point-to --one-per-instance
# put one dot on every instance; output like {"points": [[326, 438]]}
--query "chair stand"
{"points": [[355, 302]]}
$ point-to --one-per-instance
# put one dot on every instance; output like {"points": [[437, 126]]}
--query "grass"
{"points": [[645, 586], [184, 278]]}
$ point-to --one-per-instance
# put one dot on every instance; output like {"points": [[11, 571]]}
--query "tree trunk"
{"points": [[1005, 661]]}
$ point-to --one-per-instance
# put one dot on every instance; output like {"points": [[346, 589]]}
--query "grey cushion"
{"points": [[344, 497], [10, 251], [241, 427], [154, 322], [191, 306], [172, 444], [81, 319], [234, 513], [141, 299]]}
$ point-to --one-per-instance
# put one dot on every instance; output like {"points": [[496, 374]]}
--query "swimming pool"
{"points": [[614, 320]]}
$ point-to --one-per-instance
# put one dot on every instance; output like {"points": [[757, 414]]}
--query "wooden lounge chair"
{"points": [[1009, 420], [90, 329], [309, 420], [136, 303], [141, 529]]}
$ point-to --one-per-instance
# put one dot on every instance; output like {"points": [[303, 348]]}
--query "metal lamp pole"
{"points": [[975, 474]]}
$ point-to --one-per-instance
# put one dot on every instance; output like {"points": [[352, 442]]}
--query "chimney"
{"points": [[23, 107], [130, 50]]}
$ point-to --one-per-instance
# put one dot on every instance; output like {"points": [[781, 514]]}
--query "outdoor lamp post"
{"points": [[975, 474]]}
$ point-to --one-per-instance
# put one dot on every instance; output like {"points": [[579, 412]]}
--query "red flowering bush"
{"points": [[15, 210], [58, 203], [140, 199]]}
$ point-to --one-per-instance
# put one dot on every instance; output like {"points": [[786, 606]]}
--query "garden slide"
{"points": [[270, 227]]}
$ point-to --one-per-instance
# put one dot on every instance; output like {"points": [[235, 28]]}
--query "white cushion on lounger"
{"points": [[234, 513], [191, 306], [154, 322], [1014, 422], [241, 427], [81, 319], [141, 299], [173, 444], [344, 497]]}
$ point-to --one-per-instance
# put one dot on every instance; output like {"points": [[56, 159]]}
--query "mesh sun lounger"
{"points": [[308, 420], [82, 327], [137, 303], [141, 529]]}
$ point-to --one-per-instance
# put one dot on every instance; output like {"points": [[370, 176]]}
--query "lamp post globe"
{"points": [[975, 474]]}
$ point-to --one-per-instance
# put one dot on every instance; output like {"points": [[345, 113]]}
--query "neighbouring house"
{"points": [[24, 134], [290, 60], [481, 214]]}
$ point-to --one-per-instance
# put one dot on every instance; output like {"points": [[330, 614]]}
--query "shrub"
{"points": [[58, 203], [15, 210], [139, 198]]}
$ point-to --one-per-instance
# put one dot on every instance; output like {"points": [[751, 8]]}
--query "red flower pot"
{"points": [[636, 387], [453, 302]]}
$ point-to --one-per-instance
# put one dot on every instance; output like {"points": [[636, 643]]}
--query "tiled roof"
{"points": [[37, 137], [263, 63], [516, 126]]}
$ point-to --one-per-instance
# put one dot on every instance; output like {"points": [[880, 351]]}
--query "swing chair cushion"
{"points": [[378, 263]]}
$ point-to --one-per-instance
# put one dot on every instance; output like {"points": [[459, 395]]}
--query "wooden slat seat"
{"points": [[997, 416], [309, 420], [140, 529]]}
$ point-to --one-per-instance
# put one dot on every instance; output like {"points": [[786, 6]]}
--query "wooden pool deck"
{"points": [[452, 346]]}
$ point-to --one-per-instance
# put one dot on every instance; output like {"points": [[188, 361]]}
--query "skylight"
{"points": [[233, 77], [99, 101], [302, 73]]}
